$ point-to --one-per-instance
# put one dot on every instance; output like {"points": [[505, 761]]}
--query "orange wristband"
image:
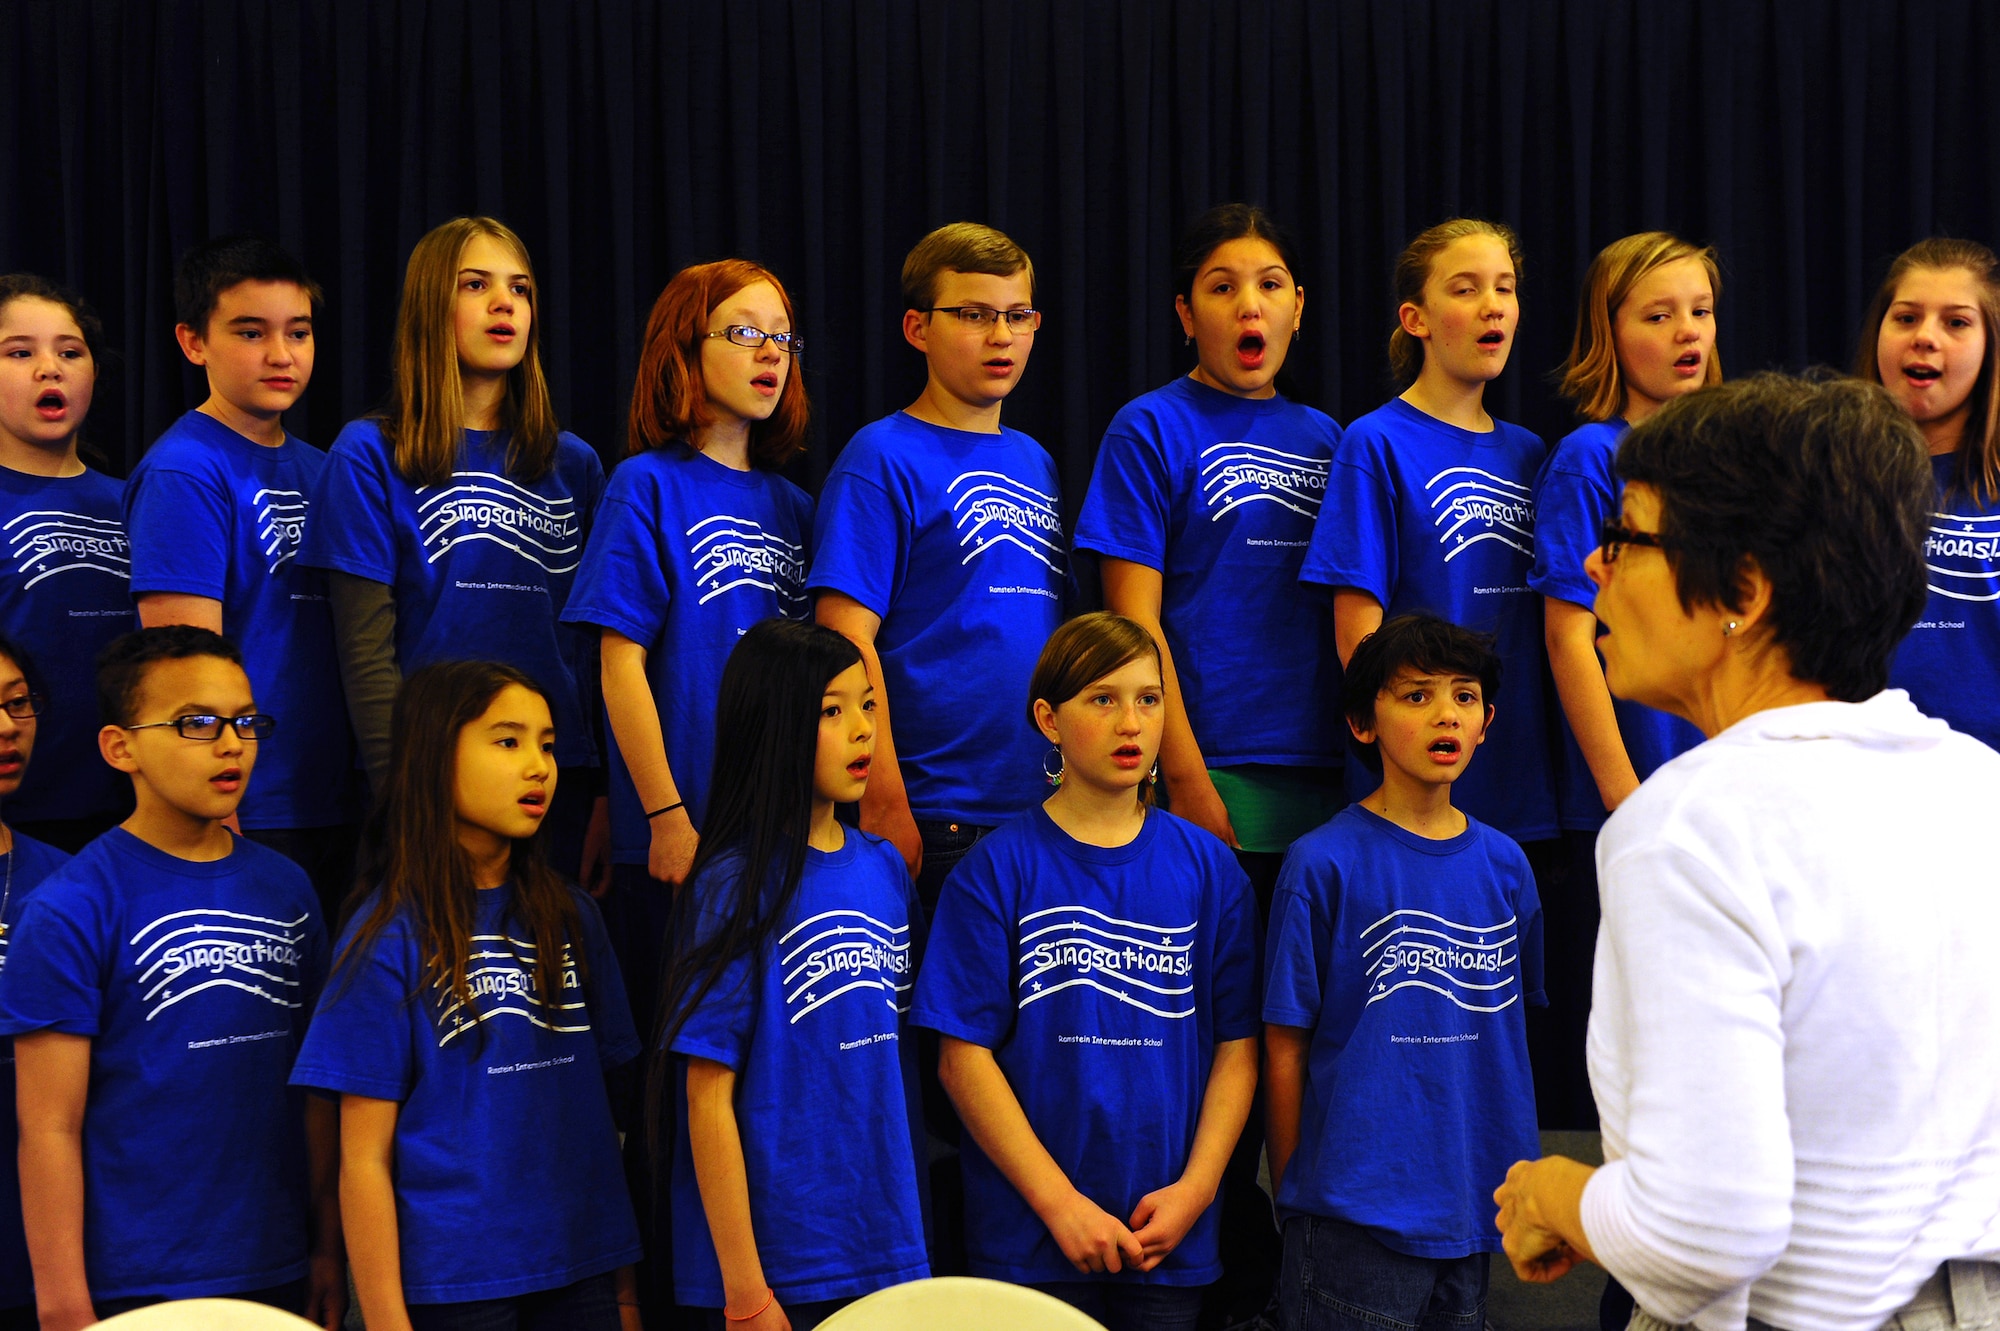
{"points": [[770, 1296]]}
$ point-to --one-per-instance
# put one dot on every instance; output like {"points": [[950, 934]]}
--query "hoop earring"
{"points": [[1153, 777], [1054, 778]]}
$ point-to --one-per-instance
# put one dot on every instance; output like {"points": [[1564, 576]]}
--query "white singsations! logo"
{"points": [[988, 508], [479, 506], [190, 951], [1147, 966], [1237, 474], [500, 970], [1468, 964], [1961, 554], [1473, 506], [730, 552], [281, 522], [50, 541], [844, 951]]}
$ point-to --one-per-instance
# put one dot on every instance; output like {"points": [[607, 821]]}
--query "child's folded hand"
{"points": [[1163, 1218], [1091, 1238]]}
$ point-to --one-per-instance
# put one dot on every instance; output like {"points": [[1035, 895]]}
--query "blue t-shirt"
{"points": [[507, 1170], [1422, 515], [1408, 959], [214, 514], [480, 568], [1102, 978], [65, 593], [825, 1082], [685, 554], [193, 981], [1950, 662], [30, 863], [955, 540], [1576, 492], [1218, 493]]}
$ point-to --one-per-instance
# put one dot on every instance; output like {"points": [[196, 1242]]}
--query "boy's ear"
{"points": [[916, 330], [115, 743], [191, 344], [1365, 734], [1486, 728]]}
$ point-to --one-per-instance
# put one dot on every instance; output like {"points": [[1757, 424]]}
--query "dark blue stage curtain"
{"points": [[1809, 141]]}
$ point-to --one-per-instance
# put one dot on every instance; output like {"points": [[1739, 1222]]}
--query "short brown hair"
{"points": [[1590, 378], [960, 247], [1413, 272], [669, 397]]}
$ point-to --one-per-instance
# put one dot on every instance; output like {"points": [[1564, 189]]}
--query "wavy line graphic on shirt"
{"points": [[48, 541], [842, 952], [730, 552], [1235, 474], [1470, 506], [1146, 966], [1962, 553], [500, 969], [989, 508], [281, 523], [1467, 963], [189, 952], [479, 506]]}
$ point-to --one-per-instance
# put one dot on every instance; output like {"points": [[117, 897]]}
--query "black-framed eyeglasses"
{"points": [[25, 706], [981, 317], [205, 726], [1613, 538], [743, 335]]}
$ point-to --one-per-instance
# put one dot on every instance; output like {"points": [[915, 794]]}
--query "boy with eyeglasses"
{"points": [[938, 548], [216, 511], [157, 987]]}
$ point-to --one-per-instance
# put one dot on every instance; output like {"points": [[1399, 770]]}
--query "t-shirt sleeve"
{"points": [[610, 1011], [361, 1040], [1236, 960], [966, 987], [1569, 509], [1128, 512], [1296, 943], [350, 529], [720, 1025], [179, 526], [1528, 925], [313, 964], [622, 584], [54, 978], [1354, 537], [861, 541]]}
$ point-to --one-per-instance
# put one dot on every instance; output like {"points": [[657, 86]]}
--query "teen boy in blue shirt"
{"points": [[216, 511], [1405, 937]]}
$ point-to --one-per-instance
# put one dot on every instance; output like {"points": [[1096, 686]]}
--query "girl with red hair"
{"points": [[697, 539]]}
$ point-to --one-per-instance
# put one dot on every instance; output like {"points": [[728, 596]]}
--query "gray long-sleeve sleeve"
{"points": [[364, 630]]}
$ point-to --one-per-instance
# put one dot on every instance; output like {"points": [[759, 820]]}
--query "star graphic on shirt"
{"points": [[1165, 941], [1038, 986]]}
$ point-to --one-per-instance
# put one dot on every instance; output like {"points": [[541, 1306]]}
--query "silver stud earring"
{"points": [[1729, 629], [1053, 778]]}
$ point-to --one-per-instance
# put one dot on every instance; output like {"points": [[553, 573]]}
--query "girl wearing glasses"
{"points": [[452, 521], [66, 591], [698, 538], [27, 863], [1930, 340]]}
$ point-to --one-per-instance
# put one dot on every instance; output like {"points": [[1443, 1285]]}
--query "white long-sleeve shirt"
{"points": [[1795, 1030]]}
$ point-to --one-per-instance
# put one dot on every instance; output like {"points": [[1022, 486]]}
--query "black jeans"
{"points": [[290, 1296], [590, 1304]]}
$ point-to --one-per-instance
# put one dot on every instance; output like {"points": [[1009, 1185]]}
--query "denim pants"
{"points": [[1339, 1277], [590, 1304], [1124, 1307]]}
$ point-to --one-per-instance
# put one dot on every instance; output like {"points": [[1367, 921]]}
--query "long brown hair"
{"points": [[424, 420], [670, 398], [1590, 378], [1413, 272], [410, 849], [1978, 455]]}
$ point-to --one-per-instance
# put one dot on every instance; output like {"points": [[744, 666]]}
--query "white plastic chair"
{"points": [[962, 1303], [206, 1315]]}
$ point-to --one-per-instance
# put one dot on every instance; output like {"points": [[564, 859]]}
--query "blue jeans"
{"points": [[590, 1304], [1339, 1277], [1123, 1307], [802, 1316]]}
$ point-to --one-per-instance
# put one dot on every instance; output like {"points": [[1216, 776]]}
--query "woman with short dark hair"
{"points": [[1792, 1040]]}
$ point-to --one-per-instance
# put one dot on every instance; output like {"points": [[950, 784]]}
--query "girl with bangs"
{"points": [[452, 521], [1929, 338], [698, 538], [473, 1012]]}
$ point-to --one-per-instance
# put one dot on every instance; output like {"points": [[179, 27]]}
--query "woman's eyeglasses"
{"points": [[1613, 538]]}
